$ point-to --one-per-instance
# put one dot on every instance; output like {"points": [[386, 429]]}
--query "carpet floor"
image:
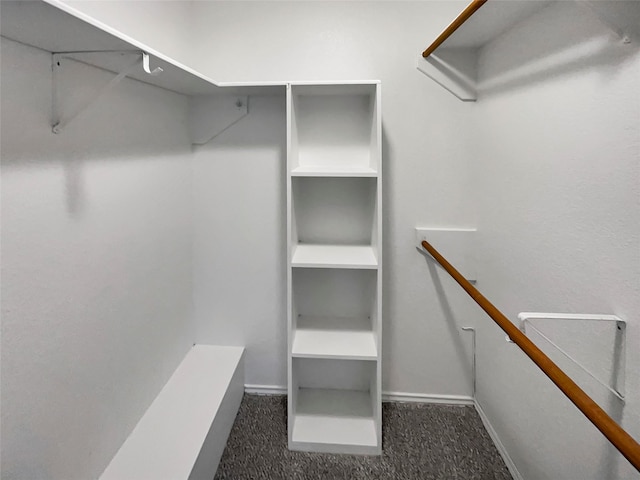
{"points": [[427, 442]]}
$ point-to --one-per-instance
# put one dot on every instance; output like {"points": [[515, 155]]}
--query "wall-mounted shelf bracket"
{"points": [[61, 119], [456, 243], [526, 320], [210, 115], [596, 9]]}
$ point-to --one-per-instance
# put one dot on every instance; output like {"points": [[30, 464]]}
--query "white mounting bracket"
{"points": [[596, 9], [59, 119], [455, 244], [618, 389], [210, 115]]}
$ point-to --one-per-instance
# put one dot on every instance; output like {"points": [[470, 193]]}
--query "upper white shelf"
{"points": [[334, 256], [496, 17], [490, 21], [48, 27], [333, 171], [339, 338]]}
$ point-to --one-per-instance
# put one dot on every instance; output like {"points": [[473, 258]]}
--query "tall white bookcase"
{"points": [[334, 246]]}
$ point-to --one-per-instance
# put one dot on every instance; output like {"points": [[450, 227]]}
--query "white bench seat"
{"points": [[183, 433]]}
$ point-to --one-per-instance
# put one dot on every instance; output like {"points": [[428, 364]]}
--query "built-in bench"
{"points": [[183, 433]]}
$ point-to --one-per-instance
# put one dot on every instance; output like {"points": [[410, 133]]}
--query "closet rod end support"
{"points": [[145, 65]]}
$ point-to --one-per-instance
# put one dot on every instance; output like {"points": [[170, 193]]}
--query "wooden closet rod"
{"points": [[603, 422], [463, 17]]}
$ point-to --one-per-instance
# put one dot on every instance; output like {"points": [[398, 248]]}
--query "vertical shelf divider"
{"points": [[334, 267]]}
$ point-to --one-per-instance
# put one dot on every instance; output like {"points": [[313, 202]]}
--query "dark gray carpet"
{"points": [[427, 442]]}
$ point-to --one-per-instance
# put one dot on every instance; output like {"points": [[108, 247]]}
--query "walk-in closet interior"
{"points": [[338, 211]]}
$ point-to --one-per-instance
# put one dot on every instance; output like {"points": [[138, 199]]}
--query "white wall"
{"points": [[248, 41], [426, 178], [557, 171], [240, 234], [96, 265], [162, 25], [551, 178]]}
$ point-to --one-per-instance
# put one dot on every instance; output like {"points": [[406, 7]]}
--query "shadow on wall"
{"points": [[562, 39], [74, 187], [135, 122], [455, 330], [387, 201]]}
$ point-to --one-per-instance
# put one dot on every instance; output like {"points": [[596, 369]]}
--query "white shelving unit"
{"points": [[334, 280]]}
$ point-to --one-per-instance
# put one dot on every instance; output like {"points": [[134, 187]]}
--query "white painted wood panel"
{"points": [[327, 292], [334, 210], [326, 418], [334, 279], [333, 171], [55, 26], [168, 440], [344, 338], [334, 256]]}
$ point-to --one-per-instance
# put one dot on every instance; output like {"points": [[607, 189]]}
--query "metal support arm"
{"points": [[60, 119]]}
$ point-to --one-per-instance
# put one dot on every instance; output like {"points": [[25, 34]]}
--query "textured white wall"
{"points": [[248, 41], [96, 265], [558, 182], [240, 221], [426, 178], [552, 176]]}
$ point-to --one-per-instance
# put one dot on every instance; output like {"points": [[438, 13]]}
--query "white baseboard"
{"points": [[498, 443], [265, 389], [386, 396], [427, 398]]}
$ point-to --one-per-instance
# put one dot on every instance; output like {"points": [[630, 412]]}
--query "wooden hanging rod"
{"points": [[603, 422], [463, 17]]}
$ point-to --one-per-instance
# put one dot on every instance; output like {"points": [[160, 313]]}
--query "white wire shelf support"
{"points": [[618, 389], [61, 119]]}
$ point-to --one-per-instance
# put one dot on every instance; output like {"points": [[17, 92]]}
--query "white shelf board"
{"points": [[491, 20], [334, 420], [168, 439], [356, 87], [333, 171], [58, 27], [334, 256], [338, 338]]}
